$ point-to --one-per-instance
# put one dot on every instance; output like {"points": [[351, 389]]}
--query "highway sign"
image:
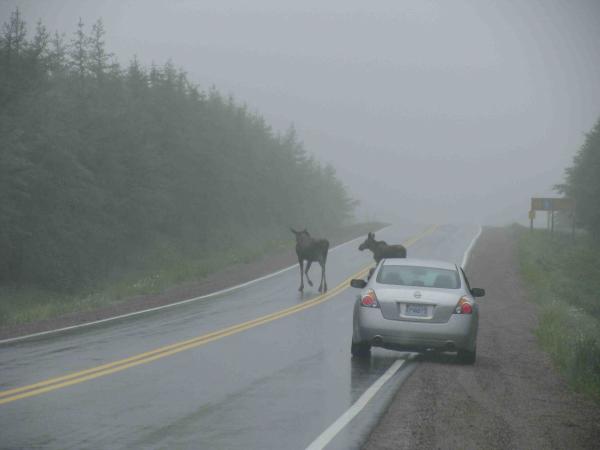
{"points": [[552, 204]]}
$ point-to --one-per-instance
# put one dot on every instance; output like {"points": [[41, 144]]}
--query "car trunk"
{"points": [[416, 304]]}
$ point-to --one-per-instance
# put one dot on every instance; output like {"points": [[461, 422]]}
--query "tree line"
{"points": [[582, 183], [102, 165]]}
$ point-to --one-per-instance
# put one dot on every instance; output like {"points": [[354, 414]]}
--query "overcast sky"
{"points": [[429, 110]]}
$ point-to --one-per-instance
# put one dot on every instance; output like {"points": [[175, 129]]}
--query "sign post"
{"points": [[531, 217]]}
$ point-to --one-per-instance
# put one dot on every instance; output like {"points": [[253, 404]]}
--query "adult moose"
{"points": [[381, 249], [311, 250]]}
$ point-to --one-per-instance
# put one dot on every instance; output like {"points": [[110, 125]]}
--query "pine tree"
{"points": [[57, 54], [13, 37], [80, 52], [98, 57]]}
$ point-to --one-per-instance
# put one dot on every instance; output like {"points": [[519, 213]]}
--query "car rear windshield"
{"points": [[419, 276]]}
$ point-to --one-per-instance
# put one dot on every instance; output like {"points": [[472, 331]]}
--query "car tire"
{"points": [[467, 356], [360, 349]]}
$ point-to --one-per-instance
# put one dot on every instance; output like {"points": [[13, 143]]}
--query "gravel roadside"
{"points": [[511, 398]]}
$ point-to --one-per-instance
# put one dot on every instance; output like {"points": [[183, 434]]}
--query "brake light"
{"points": [[464, 306], [369, 300]]}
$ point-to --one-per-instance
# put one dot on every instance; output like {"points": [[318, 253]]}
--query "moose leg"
{"points": [[301, 262], [323, 285], [308, 263]]}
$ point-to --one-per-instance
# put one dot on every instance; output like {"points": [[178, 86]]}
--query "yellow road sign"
{"points": [[552, 204]]}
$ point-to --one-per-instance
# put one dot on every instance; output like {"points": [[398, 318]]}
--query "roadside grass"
{"points": [[165, 269], [563, 278]]}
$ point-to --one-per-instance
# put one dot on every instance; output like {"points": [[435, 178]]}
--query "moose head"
{"points": [[368, 243], [302, 237]]}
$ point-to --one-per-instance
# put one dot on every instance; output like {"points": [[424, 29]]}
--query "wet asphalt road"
{"points": [[276, 385]]}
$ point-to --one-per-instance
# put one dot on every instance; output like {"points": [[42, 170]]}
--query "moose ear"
{"points": [[371, 235], [293, 231]]}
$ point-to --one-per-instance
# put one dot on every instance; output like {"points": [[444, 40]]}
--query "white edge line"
{"points": [[170, 305], [469, 248], [326, 436]]}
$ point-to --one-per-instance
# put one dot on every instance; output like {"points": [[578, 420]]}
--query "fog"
{"points": [[430, 111]]}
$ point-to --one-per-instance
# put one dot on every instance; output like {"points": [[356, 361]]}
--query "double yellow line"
{"points": [[52, 384]]}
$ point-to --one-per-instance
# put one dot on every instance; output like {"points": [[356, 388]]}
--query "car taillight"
{"points": [[464, 306], [369, 300]]}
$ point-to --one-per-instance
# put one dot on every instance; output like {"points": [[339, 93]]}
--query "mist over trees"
{"points": [[582, 182], [103, 165]]}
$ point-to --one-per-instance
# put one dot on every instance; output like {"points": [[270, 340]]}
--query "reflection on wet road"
{"points": [[275, 385]]}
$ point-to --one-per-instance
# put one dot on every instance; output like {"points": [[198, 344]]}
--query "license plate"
{"points": [[416, 310]]}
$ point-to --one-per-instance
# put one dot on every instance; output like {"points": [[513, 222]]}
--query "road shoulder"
{"points": [[511, 398]]}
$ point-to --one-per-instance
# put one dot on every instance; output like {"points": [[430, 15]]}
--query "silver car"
{"points": [[416, 305]]}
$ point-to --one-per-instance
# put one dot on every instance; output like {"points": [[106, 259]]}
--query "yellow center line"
{"points": [[51, 384]]}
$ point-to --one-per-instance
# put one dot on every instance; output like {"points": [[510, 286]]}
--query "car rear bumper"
{"points": [[459, 333]]}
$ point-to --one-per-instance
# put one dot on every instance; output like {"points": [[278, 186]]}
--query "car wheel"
{"points": [[467, 356], [361, 349]]}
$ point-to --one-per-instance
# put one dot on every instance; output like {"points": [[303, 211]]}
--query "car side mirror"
{"points": [[477, 292], [358, 283]]}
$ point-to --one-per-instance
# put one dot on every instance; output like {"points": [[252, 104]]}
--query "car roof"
{"points": [[434, 263]]}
